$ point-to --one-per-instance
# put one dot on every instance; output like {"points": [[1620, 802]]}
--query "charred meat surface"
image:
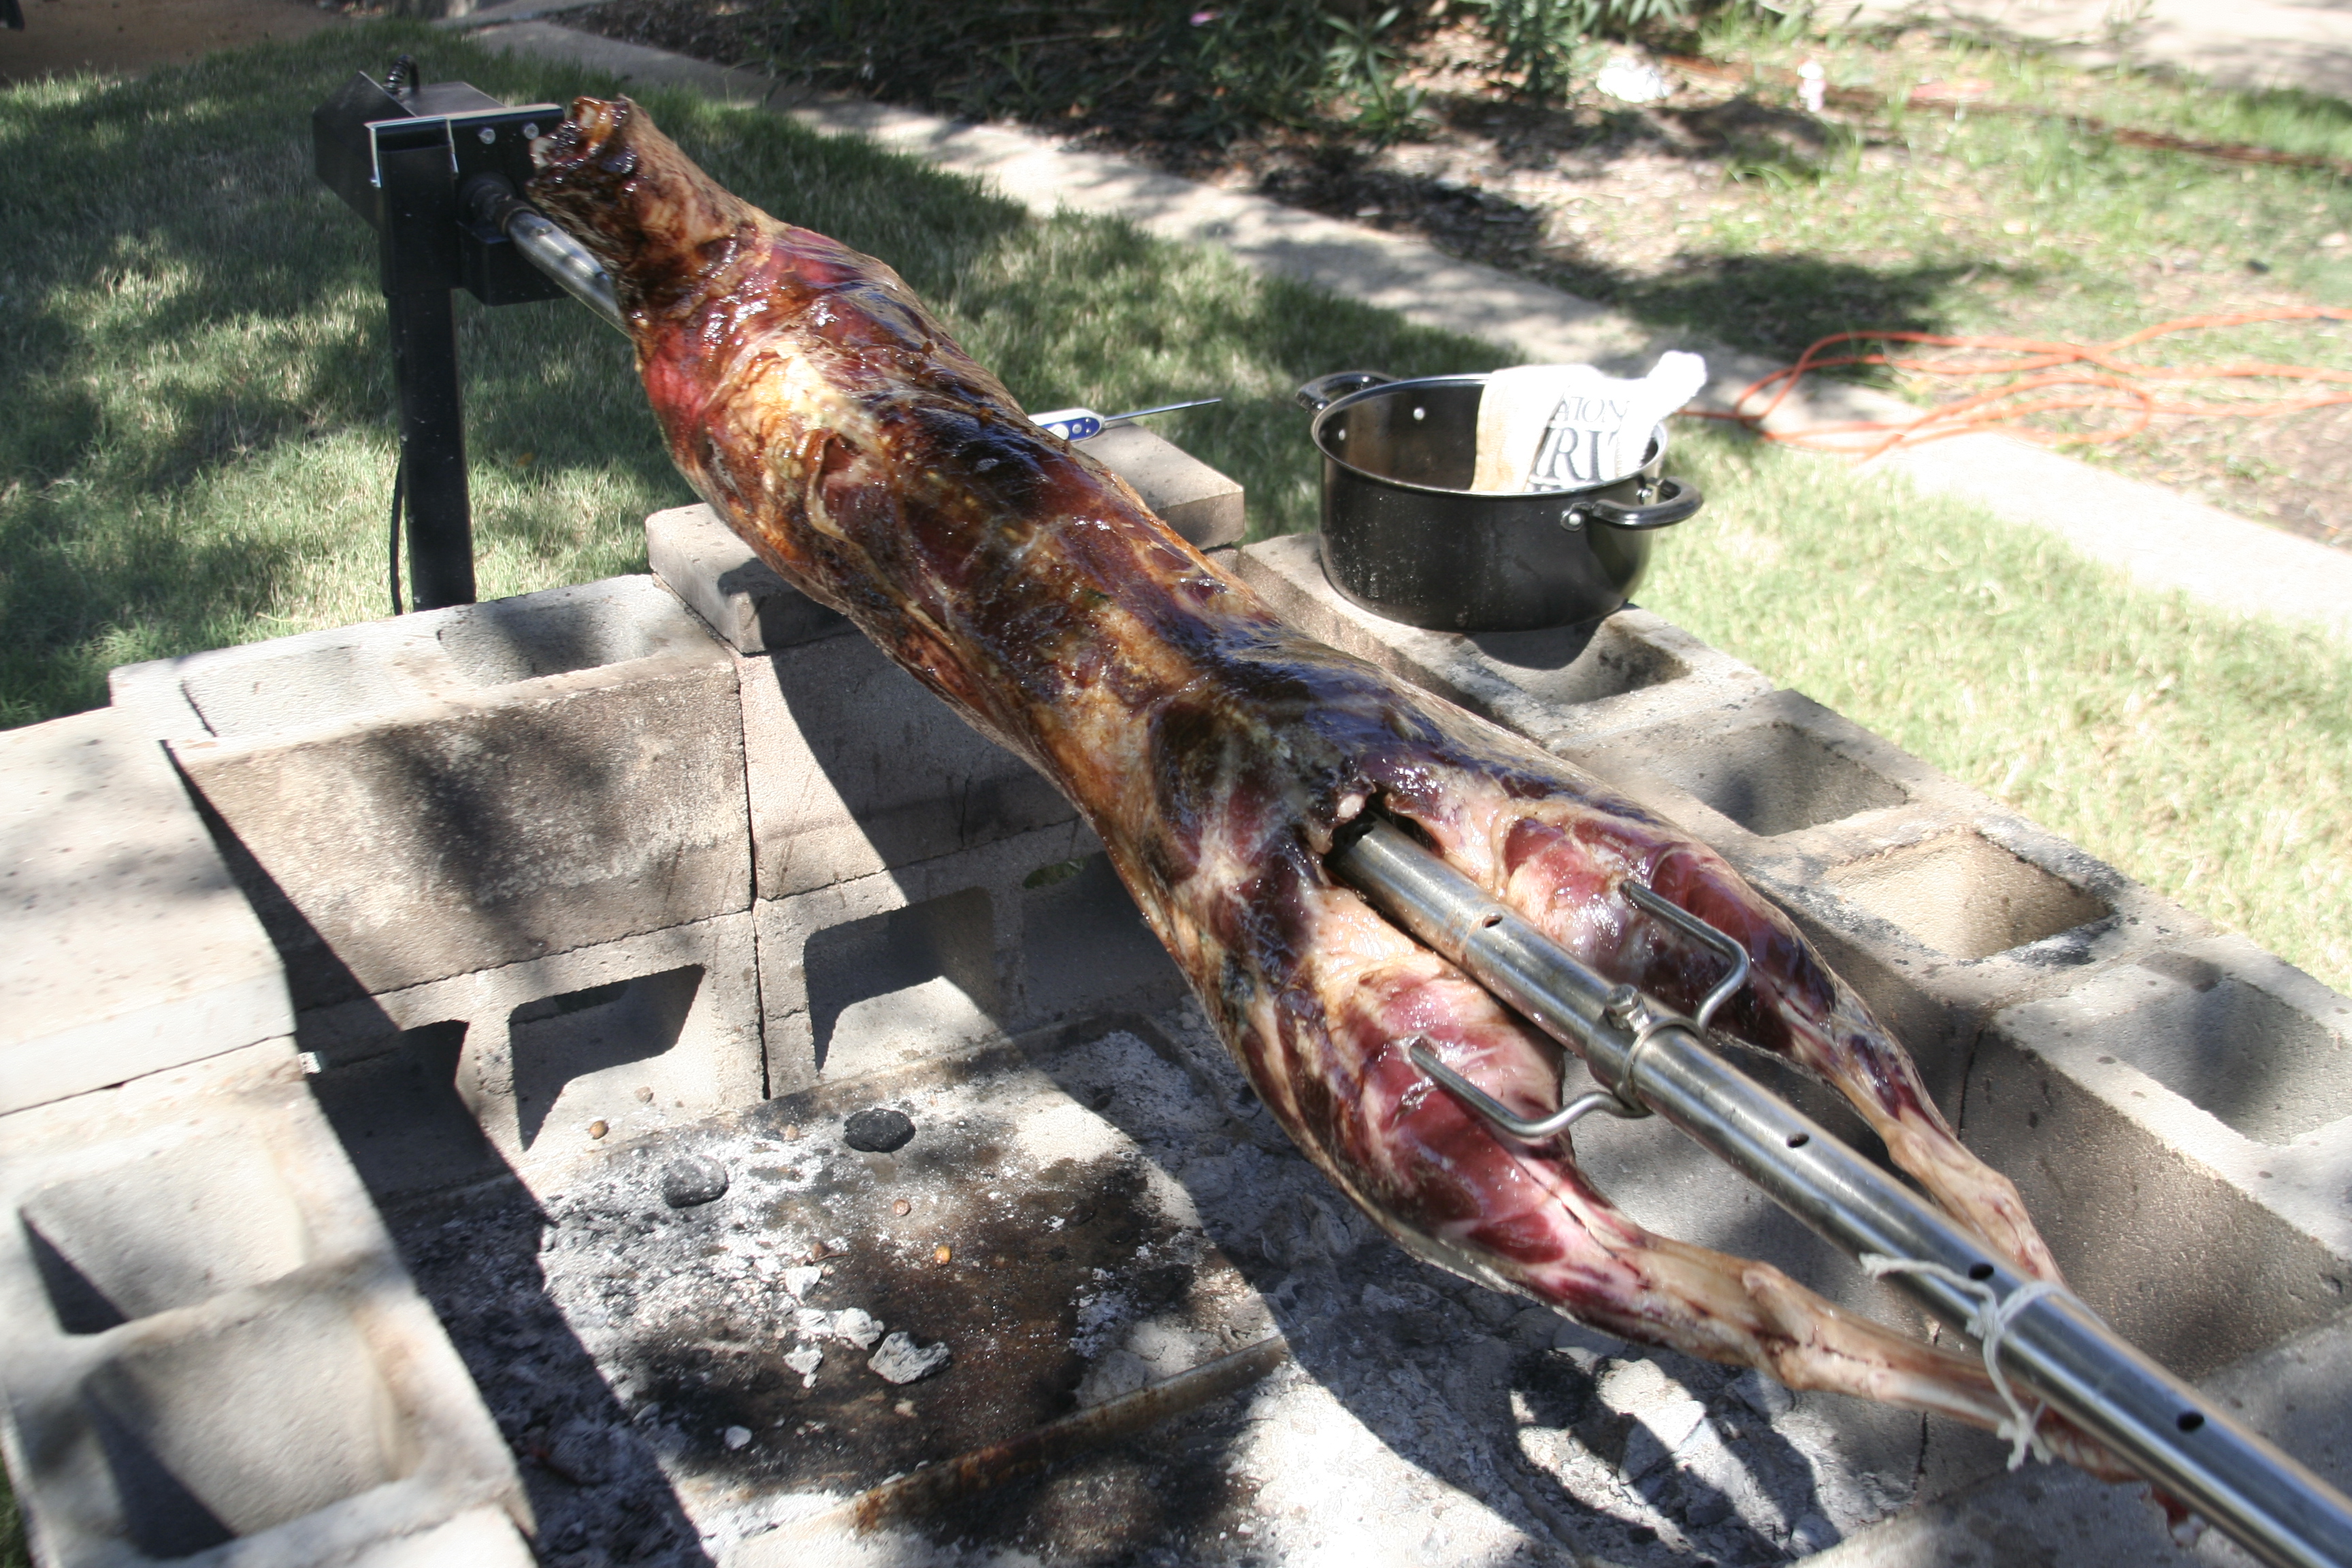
{"points": [[825, 414]]}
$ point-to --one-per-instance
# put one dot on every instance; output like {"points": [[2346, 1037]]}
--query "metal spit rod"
{"points": [[566, 262], [2051, 1345], [490, 199]]}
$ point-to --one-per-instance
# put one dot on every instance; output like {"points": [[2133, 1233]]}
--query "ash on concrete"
{"points": [[1074, 1222]]}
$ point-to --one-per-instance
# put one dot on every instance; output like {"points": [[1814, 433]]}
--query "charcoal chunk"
{"points": [[694, 1179], [879, 1130]]}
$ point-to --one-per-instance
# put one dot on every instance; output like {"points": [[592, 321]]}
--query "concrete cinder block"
{"points": [[855, 769], [1942, 919], [2183, 1124], [210, 1351], [1559, 685], [1761, 767], [751, 608], [125, 947], [1938, 904], [754, 610], [422, 797], [867, 975], [484, 1538], [441, 1084]]}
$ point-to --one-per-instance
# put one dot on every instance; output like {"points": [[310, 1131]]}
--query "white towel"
{"points": [[1568, 426]]}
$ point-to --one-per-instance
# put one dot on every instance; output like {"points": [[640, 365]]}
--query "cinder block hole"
{"points": [[400, 1116], [559, 1040], [255, 697], [231, 1433], [909, 982], [1085, 945], [1579, 664], [176, 1227], [1775, 778], [2268, 1069], [495, 644], [1965, 896]]}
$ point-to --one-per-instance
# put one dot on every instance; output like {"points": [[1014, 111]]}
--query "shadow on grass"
{"points": [[1780, 305], [200, 394], [199, 450], [1767, 304]]}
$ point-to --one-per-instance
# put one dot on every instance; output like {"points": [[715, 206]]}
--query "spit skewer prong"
{"points": [[1631, 1009], [2045, 1340]]}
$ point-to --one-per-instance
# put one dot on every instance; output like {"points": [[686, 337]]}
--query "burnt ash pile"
{"points": [[716, 1343]]}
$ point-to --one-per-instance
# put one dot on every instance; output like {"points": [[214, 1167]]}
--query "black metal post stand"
{"points": [[401, 151], [418, 243], [433, 448]]}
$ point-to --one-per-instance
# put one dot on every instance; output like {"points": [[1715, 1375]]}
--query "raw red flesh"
{"points": [[830, 420]]}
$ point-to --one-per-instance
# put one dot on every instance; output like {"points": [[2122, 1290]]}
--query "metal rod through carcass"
{"points": [[566, 261], [490, 200], [2053, 1346]]}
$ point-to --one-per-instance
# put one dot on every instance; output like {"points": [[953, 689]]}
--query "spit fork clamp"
{"points": [[1651, 1059], [1642, 1017]]}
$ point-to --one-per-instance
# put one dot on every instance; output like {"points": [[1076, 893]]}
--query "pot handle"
{"points": [[1326, 390], [1663, 503]]}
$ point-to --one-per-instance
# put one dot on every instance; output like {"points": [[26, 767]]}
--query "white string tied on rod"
{"points": [[1990, 1324]]}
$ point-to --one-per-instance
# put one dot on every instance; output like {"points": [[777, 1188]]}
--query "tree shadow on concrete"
{"points": [[470, 1231], [1761, 303]]}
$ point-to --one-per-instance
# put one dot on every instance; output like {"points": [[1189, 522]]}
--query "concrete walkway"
{"points": [[2163, 540], [2305, 43]]}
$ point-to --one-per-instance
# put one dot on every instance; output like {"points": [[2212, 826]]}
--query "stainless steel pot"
{"points": [[1403, 538]]}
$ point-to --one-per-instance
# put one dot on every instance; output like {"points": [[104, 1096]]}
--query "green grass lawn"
{"points": [[1970, 220], [2012, 215], [200, 451], [2206, 754]]}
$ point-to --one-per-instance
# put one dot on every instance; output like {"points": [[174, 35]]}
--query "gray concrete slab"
{"points": [[412, 799], [484, 1538], [125, 947], [2164, 539]]}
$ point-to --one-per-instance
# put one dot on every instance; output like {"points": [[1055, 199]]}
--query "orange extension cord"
{"points": [[2046, 377]]}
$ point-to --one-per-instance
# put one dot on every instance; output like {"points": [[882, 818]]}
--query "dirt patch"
{"points": [[111, 36]]}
